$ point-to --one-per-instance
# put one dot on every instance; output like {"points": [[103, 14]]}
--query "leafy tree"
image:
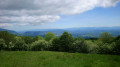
{"points": [[55, 44], [36, 38], [92, 47], [39, 45], [106, 37], [6, 37], [117, 38], [49, 36], [76, 46], [116, 47], [104, 48], [28, 39], [19, 44], [2, 44], [78, 38], [66, 41]]}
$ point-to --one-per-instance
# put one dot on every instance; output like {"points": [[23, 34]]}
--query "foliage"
{"points": [[49, 36], [104, 48], [36, 38], [116, 47], [6, 37], [106, 37], [2, 44], [105, 44], [55, 44], [28, 39], [19, 44], [66, 41], [39, 45]]}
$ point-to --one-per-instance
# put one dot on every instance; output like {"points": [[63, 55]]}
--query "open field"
{"points": [[56, 59]]}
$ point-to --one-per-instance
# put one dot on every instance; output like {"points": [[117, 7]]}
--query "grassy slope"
{"points": [[56, 59]]}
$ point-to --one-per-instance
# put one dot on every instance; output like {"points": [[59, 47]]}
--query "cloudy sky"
{"points": [[44, 14]]}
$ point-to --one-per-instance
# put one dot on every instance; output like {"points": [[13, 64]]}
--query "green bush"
{"points": [[49, 36], [65, 41], [2, 44], [106, 37], [55, 44], [104, 48], [19, 44], [39, 45], [91, 46], [116, 47]]}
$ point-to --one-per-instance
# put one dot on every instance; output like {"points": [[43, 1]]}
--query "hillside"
{"points": [[56, 59], [10, 31]]}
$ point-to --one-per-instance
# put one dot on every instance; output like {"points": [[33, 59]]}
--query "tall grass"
{"points": [[56, 59]]}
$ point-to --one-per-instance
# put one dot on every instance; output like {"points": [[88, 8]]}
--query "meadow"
{"points": [[56, 59]]}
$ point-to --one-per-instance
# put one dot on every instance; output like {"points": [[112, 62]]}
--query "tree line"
{"points": [[105, 44]]}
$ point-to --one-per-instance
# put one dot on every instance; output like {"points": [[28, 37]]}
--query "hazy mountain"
{"points": [[10, 31], [85, 32]]}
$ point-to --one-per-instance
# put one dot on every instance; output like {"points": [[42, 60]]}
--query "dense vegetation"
{"points": [[105, 44], [56, 59]]}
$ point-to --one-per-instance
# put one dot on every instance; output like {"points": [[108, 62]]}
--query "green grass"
{"points": [[56, 59]]}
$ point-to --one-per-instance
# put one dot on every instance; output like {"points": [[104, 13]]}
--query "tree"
{"points": [[19, 44], [66, 41], [36, 38], [6, 37], [2, 44], [117, 38], [116, 47], [39, 45], [104, 48], [28, 39], [55, 44], [76, 46], [106, 37], [49, 36]]}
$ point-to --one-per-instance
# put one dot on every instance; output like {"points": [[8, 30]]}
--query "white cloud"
{"points": [[37, 12]]}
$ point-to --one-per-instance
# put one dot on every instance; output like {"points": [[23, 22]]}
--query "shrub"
{"points": [[91, 46], [65, 41], [55, 44], [2, 44], [19, 44], [49, 36], [39, 45], [116, 47], [106, 37], [104, 48]]}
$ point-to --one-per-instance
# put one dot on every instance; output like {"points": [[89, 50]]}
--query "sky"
{"points": [[58, 14]]}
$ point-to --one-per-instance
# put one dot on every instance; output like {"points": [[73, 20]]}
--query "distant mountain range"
{"points": [[85, 32], [10, 31]]}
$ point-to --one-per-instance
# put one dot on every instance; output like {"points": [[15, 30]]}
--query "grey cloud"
{"points": [[34, 12]]}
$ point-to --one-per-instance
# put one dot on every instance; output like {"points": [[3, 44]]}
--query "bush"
{"points": [[104, 48], [116, 47], [55, 44], [77, 45], [19, 44], [65, 41], [91, 46], [106, 37], [39, 45], [2, 44], [83, 46], [49, 36]]}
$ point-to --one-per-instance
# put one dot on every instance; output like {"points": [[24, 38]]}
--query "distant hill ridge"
{"points": [[85, 32]]}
